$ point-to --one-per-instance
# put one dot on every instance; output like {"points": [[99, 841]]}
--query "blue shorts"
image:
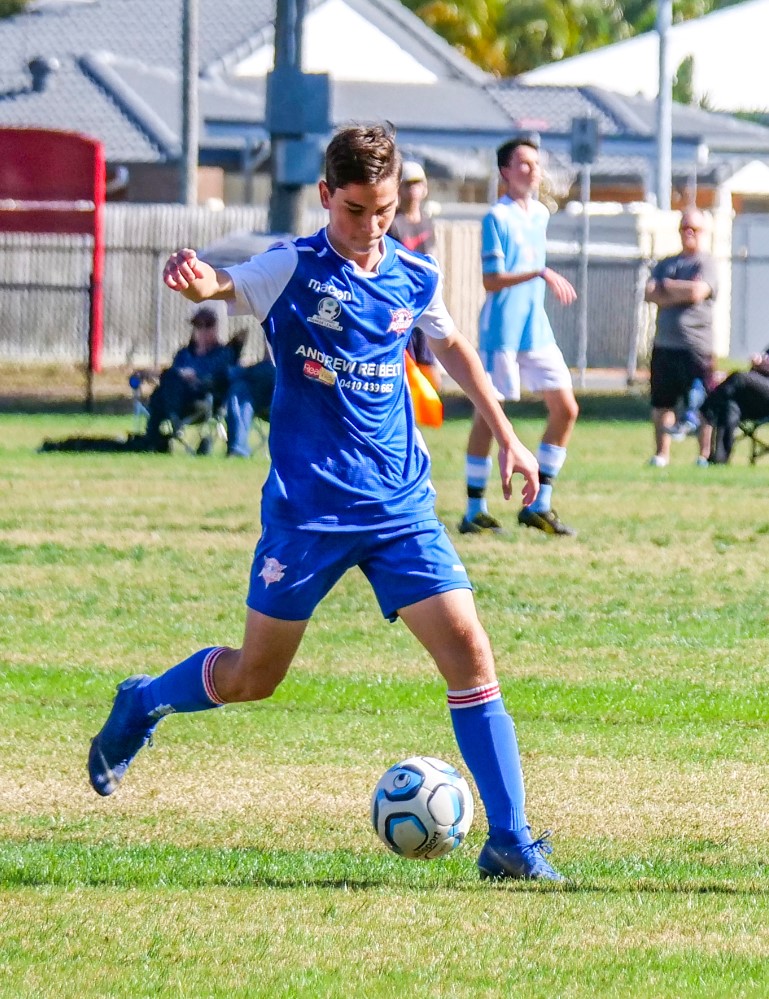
{"points": [[293, 570]]}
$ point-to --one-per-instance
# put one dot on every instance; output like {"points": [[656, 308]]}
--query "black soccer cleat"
{"points": [[480, 524], [548, 522]]}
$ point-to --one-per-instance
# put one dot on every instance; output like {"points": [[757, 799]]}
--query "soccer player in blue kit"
{"points": [[516, 342], [349, 484]]}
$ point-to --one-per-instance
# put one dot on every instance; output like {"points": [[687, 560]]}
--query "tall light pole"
{"points": [[297, 114], [188, 193], [285, 199], [664, 106]]}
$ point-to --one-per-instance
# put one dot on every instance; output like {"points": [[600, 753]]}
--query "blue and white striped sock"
{"points": [[551, 459]]}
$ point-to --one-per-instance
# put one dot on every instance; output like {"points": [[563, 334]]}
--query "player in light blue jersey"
{"points": [[516, 342], [349, 484]]}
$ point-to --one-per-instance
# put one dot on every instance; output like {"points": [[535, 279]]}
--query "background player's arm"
{"points": [[195, 279], [461, 362], [563, 290]]}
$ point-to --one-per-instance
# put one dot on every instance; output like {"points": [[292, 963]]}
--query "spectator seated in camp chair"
{"points": [[737, 407], [193, 389]]}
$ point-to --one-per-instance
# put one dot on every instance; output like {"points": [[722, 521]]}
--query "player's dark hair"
{"points": [[507, 149], [362, 154]]}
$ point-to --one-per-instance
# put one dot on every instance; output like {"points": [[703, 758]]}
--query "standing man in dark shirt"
{"points": [[414, 228], [683, 287]]}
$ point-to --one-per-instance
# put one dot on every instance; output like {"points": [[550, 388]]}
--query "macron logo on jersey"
{"points": [[328, 288]]}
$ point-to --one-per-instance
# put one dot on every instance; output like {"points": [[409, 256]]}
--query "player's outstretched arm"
{"points": [[461, 362], [195, 279]]}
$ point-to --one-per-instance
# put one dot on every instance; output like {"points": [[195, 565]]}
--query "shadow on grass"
{"points": [[37, 863]]}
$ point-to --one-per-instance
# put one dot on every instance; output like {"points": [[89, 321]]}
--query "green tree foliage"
{"points": [[508, 37], [10, 7], [683, 82]]}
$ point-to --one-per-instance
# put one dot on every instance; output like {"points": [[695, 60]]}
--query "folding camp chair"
{"points": [[758, 446], [207, 418]]}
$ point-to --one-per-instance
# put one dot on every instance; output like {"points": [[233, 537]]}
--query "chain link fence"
{"points": [[45, 280]]}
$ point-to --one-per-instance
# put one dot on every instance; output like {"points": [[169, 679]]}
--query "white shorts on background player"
{"points": [[533, 370]]}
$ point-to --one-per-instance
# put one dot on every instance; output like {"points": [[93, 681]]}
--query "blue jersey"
{"points": [[346, 452], [513, 241]]}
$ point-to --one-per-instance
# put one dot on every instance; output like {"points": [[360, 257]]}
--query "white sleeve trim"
{"points": [[435, 320], [260, 281]]}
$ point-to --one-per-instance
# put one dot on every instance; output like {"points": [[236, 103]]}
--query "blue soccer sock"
{"points": [[186, 687], [486, 738], [550, 458], [477, 472]]}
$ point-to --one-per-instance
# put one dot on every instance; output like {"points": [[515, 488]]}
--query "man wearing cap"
{"points": [[202, 366], [411, 226], [414, 229], [516, 342]]}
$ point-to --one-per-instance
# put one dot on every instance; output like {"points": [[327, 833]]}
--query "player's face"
{"points": [[359, 216], [522, 173]]}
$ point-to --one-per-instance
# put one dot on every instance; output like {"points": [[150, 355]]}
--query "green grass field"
{"points": [[237, 860]]}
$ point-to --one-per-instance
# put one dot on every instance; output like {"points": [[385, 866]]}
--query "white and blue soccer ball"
{"points": [[422, 808]]}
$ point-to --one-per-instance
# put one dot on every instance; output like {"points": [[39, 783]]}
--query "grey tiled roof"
{"points": [[550, 109], [424, 107], [79, 105], [120, 69], [689, 121]]}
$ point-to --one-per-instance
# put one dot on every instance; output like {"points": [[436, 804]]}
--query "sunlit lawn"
{"points": [[238, 860]]}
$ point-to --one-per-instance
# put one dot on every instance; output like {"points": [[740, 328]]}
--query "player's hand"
{"points": [[514, 458], [181, 269], [563, 290]]}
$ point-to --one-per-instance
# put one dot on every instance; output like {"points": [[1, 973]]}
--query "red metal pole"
{"points": [[96, 330]]}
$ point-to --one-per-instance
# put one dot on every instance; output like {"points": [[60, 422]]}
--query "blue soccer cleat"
{"points": [[516, 855], [127, 728]]}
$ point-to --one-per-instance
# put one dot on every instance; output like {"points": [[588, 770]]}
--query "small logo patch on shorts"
{"points": [[272, 571]]}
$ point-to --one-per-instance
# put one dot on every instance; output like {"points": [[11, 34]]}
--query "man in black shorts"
{"points": [[683, 288]]}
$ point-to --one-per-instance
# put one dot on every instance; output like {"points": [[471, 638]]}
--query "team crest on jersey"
{"points": [[319, 372], [272, 571], [401, 321], [326, 314]]}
